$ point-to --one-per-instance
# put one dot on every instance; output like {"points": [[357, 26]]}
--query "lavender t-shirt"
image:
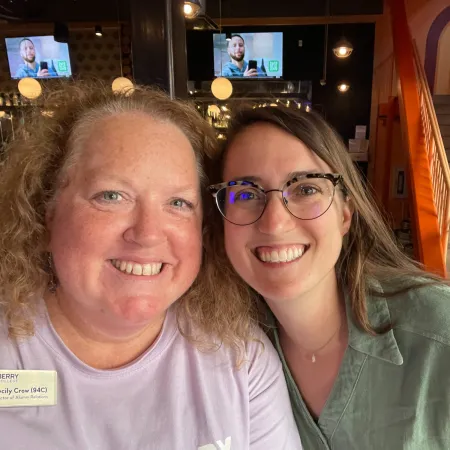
{"points": [[173, 397]]}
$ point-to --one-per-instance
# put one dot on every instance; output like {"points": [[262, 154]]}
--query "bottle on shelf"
{"points": [[15, 99]]}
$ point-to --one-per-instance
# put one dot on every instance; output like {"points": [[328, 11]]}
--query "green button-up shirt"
{"points": [[393, 390]]}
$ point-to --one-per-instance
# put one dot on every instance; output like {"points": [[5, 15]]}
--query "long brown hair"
{"points": [[370, 255], [32, 172]]}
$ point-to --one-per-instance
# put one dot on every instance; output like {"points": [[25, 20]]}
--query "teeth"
{"points": [[137, 269], [290, 255], [282, 255]]}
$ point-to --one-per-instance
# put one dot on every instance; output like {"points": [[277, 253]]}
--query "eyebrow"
{"points": [[106, 178], [94, 176], [291, 175]]}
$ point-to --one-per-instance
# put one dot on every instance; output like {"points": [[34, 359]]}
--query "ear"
{"points": [[347, 215]]}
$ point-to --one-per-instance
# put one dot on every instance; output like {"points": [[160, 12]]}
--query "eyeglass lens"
{"points": [[305, 199]]}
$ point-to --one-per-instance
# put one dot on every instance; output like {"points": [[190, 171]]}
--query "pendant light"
{"points": [[121, 85], [343, 48], [30, 88], [221, 87], [343, 87], [191, 9]]}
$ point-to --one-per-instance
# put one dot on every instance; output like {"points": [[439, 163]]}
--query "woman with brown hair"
{"points": [[362, 331], [102, 337]]}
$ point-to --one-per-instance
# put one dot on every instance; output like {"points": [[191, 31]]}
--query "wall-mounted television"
{"points": [[37, 57], [248, 55]]}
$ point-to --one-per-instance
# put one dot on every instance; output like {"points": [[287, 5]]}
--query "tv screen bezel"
{"points": [[242, 78], [38, 37]]}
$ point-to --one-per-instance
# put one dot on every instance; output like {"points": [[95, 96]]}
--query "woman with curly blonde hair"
{"points": [[102, 331]]}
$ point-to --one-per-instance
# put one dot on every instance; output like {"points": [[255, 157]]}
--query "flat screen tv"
{"points": [[37, 57], [248, 55]]}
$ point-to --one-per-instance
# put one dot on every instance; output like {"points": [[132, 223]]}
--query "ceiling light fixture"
{"points": [[343, 87], [30, 88], [98, 31], [122, 85], [191, 9], [61, 32], [221, 87], [343, 49]]}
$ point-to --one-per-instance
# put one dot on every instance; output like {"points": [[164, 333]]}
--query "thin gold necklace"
{"points": [[313, 357]]}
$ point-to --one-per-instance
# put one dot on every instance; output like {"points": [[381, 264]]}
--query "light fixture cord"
{"points": [[325, 54], [221, 36], [120, 37], [326, 42]]}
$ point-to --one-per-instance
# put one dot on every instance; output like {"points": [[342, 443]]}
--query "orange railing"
{"points": [[440, 171], [428, 204]]}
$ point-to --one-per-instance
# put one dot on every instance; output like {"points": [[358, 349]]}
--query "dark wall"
{"points": [[343, 111], [293, 8], [106, 10], [65, 10]]}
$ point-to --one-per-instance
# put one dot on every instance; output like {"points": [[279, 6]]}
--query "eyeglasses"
{"points": [[306, 197]]}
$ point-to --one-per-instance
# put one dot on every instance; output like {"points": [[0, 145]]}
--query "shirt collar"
{"points": [[381, 346]]}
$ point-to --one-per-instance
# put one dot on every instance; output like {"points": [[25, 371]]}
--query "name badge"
{"points": [[28, 388]]}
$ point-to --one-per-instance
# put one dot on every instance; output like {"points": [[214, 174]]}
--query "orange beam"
{"points": [[426, 220]]}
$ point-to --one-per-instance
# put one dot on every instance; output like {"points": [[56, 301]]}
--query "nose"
{"points": [[146, 227], [276, 219]]}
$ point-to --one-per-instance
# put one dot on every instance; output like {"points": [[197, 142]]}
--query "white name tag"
{"points": [[28, 388]]}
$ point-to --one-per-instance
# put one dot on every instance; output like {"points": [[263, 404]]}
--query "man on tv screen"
{"points": [[30, 68], [238, 67]]}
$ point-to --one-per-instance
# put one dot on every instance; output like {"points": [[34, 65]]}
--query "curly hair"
{"points": [[32, 172], [370, 255]]}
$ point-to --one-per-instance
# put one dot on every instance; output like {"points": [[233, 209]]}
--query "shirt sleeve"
{"points": [[272, 424]]}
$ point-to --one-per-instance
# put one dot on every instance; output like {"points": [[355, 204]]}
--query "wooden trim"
{"points": [[281, 21]]}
